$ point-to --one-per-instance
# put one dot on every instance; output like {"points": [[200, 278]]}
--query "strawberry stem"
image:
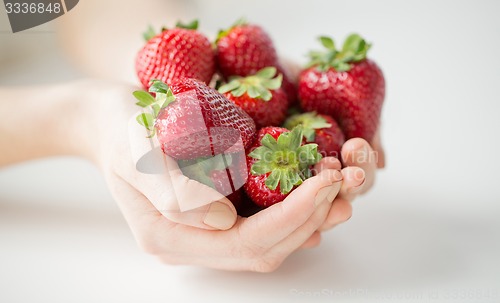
{"points": [[354, 49], [310, 122], [163, 97], [257, 86]]}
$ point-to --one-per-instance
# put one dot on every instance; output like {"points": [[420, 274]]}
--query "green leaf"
{"points": [[145, 98], [296, 136], [232, 85], [147, 120], [309, 134], [239, 91], [264, 93], [195, 170], [354, 49], [273, 83], [307, 154], [220, 161], [318, 122], [156, 109], [260, 168], [288, 180], [158, 86], [343, 67], [285, 182], [221, 34], [352, 43], [169, 98], [259, 153], [266, 72], [269, 142], [327, 42], [191, 25], [273, 179], [253, 92], [284, 141], [149, 33]]}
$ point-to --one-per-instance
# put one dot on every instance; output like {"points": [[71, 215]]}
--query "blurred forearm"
{"points": [[42, 121]]}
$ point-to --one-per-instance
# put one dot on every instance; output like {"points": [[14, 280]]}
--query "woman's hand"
{"points": [[207, 232]]}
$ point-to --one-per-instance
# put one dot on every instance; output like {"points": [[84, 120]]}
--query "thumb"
{"points": [[175, 196]]}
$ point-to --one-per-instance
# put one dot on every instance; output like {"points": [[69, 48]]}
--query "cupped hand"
{"points": [[182, 221]]}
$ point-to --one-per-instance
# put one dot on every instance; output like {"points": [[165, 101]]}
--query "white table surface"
{"points": [[428, 232]]}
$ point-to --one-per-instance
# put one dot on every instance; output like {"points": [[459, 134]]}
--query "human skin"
{"points": [[89, 119]]}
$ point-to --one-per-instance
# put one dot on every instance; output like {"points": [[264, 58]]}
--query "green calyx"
{"points": [[153, 105], [150, 32], [199, 169], [286, 159], [354, 50], [224, 32], [258, 86], [310, 123]]}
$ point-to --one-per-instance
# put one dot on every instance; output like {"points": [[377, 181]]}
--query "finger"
{"points": [[313, 241], [357, 152], [302, 234], [138, 211], [183, 200], [219, 215], [354, 180], [340, 212], [377, 147], [177, 197], [327, 163], [273, 224]]}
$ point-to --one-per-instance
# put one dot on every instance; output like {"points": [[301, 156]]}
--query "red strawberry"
{"points": [[320, 129], [277, 163], [193, 120], [176, 53], [259, 95], [223, 185], [345, 85], [226, 173], [244, 49]]}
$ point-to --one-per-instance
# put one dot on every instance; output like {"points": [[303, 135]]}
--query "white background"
{"points": [[428, 231]]}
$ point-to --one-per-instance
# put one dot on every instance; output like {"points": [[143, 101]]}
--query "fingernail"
{"points": [[327, 193], [219, 216], [356, 188]]}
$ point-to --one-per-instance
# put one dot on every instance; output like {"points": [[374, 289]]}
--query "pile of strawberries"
{"points": [[236, 121]]}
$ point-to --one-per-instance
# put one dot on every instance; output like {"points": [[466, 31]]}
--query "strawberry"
{"points": [[244, 49], [259, 95], [225, 173], [278, 162], [192, 120], [181, 52], [320, 129], [220, 180], [345, 85]]}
